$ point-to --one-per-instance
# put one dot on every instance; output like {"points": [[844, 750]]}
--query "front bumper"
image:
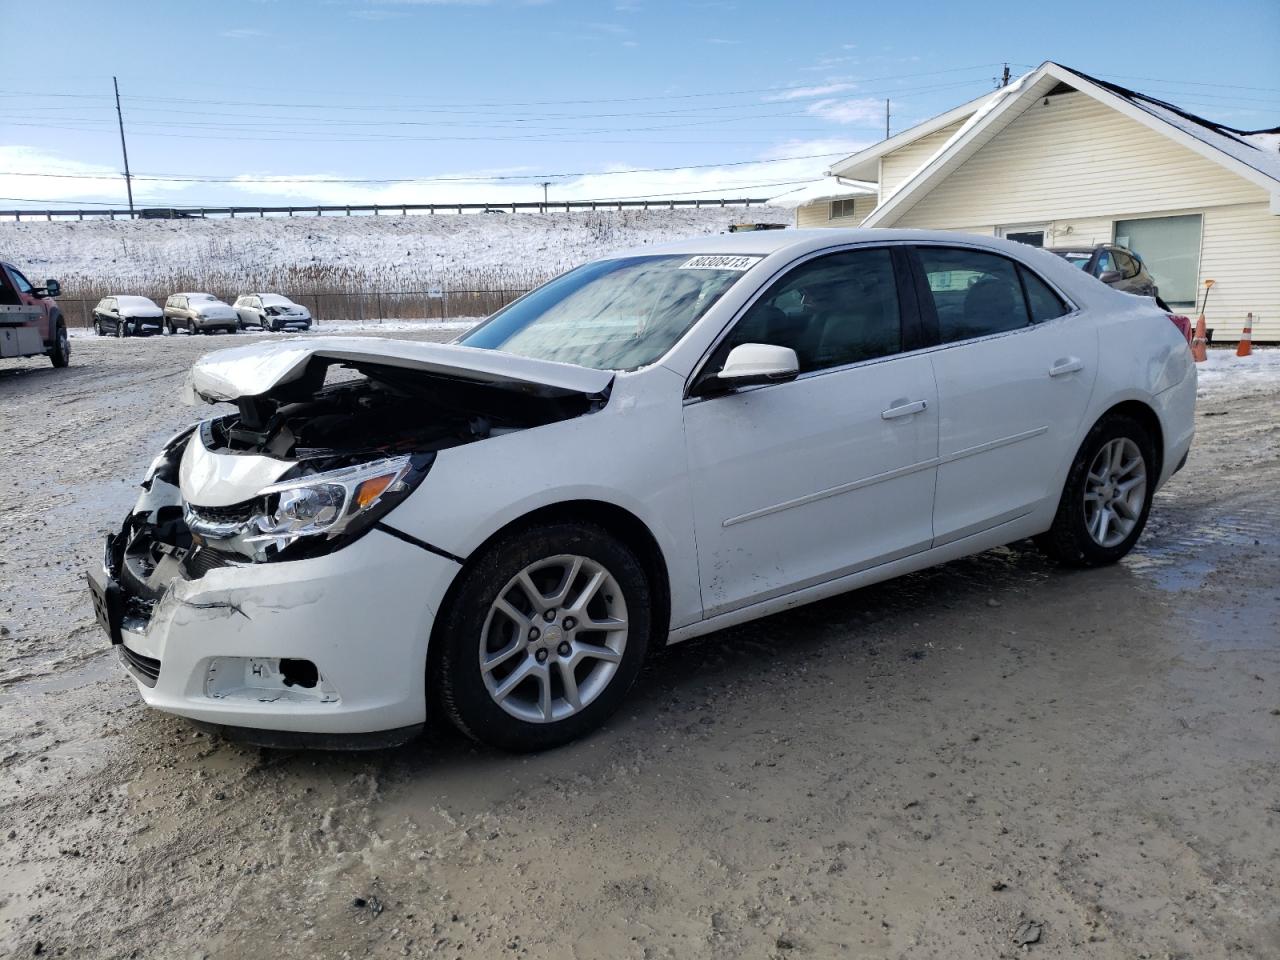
{"points": [[210, 649]]}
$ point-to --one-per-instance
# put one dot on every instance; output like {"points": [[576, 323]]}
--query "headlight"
{"points": [[315, 514]]}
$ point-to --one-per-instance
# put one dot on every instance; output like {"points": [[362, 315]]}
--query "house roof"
{"points": [[863, 164], [826, 189], [1252, 154]]}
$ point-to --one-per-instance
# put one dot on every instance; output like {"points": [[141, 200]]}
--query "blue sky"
{"points": [[280, 91]]}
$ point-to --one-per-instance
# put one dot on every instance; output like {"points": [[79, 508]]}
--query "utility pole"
{"points": [[1004, 76], [545, 184], [128, 181], [886, 118]]}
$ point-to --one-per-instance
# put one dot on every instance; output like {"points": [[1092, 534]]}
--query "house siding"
{"points": [[896, 167], [818, 214], [1079, 166]]}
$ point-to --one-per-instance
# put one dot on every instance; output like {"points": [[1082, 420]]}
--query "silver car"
{"points": [[199, 313], [271, 311]]}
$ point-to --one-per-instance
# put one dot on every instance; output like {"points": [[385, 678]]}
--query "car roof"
{"points": [[799, 242]]}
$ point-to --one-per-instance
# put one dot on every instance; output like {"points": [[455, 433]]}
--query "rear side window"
{"points": [[833, 310], [1126, 264], [974, 293], [1043, 303]]}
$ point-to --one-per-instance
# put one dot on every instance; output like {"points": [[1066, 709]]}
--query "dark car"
{"points": [[127, 316], [1114, 265]]}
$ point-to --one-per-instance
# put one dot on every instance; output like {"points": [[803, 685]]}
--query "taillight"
{"points": [[1182, 323]]}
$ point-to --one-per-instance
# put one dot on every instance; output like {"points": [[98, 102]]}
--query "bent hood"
{"points": [[228, 375]]}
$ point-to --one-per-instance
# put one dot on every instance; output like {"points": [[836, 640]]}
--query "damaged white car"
{"points": [[648, 448]]}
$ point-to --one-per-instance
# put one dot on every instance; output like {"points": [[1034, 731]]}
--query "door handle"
{"points": [[1066, 365], [903, 408]]}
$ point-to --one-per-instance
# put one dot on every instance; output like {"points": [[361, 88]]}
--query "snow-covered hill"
{"points": [[304, 254]]}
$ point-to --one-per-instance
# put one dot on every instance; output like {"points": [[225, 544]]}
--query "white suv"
{"points": [[271, 311]]}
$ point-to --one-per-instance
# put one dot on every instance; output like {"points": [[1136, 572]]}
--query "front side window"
{"points": [[1127, 266], [21, 282], [974, 293], [1170, 248], [1106, 263], [613, 314], [833, 310]]}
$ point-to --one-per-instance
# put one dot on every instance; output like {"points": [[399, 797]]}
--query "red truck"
{"points": [[30, 322]]}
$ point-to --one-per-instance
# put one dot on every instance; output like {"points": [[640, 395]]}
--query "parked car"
{"points": [[125, 316], [271, 311], [199, 313], [1114, 265], [648, 448], [30, 321]]}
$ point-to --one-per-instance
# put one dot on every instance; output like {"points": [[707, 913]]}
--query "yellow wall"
{"points": [[896, 167], [819, 214], [1078, 166]]}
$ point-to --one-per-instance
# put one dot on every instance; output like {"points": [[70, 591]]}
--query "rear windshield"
{"points": [[612, 314]]}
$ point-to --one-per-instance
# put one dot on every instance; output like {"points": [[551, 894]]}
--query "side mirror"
{"points": [[749, 364], [1111, 276], [52, 288]]}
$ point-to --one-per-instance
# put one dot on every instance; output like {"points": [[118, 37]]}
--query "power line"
{"points": [[192, 178]]}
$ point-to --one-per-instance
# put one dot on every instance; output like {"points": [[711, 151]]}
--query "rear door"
{"points": [[799, 483], [1015, 368]]}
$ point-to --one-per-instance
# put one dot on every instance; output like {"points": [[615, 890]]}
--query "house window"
{"points": [[1170, 247], [842, 208]]}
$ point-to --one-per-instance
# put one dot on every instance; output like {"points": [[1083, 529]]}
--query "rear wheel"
{"points": [[1107, 497], [546, 633]]}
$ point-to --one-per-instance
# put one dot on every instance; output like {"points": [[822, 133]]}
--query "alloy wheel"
{"points": [[553, 638], [1114, 492]]}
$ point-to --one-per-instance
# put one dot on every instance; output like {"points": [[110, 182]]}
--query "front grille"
{"points": [[236, 513], [201, 561], [146, 669]]}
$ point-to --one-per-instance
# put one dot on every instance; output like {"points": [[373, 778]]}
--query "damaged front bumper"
{"points": [[334, 645]]}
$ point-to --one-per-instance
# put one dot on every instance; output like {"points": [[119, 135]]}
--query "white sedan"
{"points": [[651, 447]]}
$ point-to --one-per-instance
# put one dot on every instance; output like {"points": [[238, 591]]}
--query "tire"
{"points": [[472, 625], [1072, 540], [60, 355], [97, 327], [120, 329]]}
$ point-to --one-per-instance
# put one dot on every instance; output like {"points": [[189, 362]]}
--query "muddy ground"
{"points": [[988, 752]]}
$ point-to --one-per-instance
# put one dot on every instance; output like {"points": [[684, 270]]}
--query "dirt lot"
{"points": [[989, 752]]}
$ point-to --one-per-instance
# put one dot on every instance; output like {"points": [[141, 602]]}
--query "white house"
{"points": [[1060, 158]]}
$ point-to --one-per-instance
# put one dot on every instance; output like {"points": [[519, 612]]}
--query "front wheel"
{"points": [[97, 327], [1107, 496], [546, 633], [120, 329]]}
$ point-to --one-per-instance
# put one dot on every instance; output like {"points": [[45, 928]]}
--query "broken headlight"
{"points": [[308, 516]]}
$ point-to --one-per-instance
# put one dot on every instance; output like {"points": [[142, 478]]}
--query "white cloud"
{"points": [[863, 110], [806, 93]]}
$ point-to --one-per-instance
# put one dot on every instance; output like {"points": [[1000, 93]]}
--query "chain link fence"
{"points": [[359, 306]]}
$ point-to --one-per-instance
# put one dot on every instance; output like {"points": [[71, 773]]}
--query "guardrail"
{"points": [[376, 209]]}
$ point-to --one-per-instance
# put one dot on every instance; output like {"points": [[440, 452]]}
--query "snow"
{"points": [[829, 188], [1223, 371], [458, 325], [477, 251]]}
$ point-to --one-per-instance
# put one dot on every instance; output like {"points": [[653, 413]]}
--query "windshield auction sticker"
{"points": [[715, 262]]}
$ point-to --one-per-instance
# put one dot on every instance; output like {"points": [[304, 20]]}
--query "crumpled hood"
{"points": [[227, 375]]}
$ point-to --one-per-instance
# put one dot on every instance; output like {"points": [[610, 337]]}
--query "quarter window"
{"points": [[833, 310], [1043, 303], [975, 294]]}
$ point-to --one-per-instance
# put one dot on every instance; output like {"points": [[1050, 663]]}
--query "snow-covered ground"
{"points": [[1224, 370], [474, 251], [343, 327]]}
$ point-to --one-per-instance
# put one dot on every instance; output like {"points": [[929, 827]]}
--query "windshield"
{"points": [[201, 297], [1080, 260], [136, 303], [275, 300], [612, 314]]}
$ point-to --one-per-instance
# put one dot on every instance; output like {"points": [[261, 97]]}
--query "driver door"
{"points": [[798, 483]]}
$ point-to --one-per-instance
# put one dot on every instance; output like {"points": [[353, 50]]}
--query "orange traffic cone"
{"points": [[1245, 347], [1199, 352]]}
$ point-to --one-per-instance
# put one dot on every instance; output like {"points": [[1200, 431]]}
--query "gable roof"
{"points": [[863, 164], [1253, 155]]}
